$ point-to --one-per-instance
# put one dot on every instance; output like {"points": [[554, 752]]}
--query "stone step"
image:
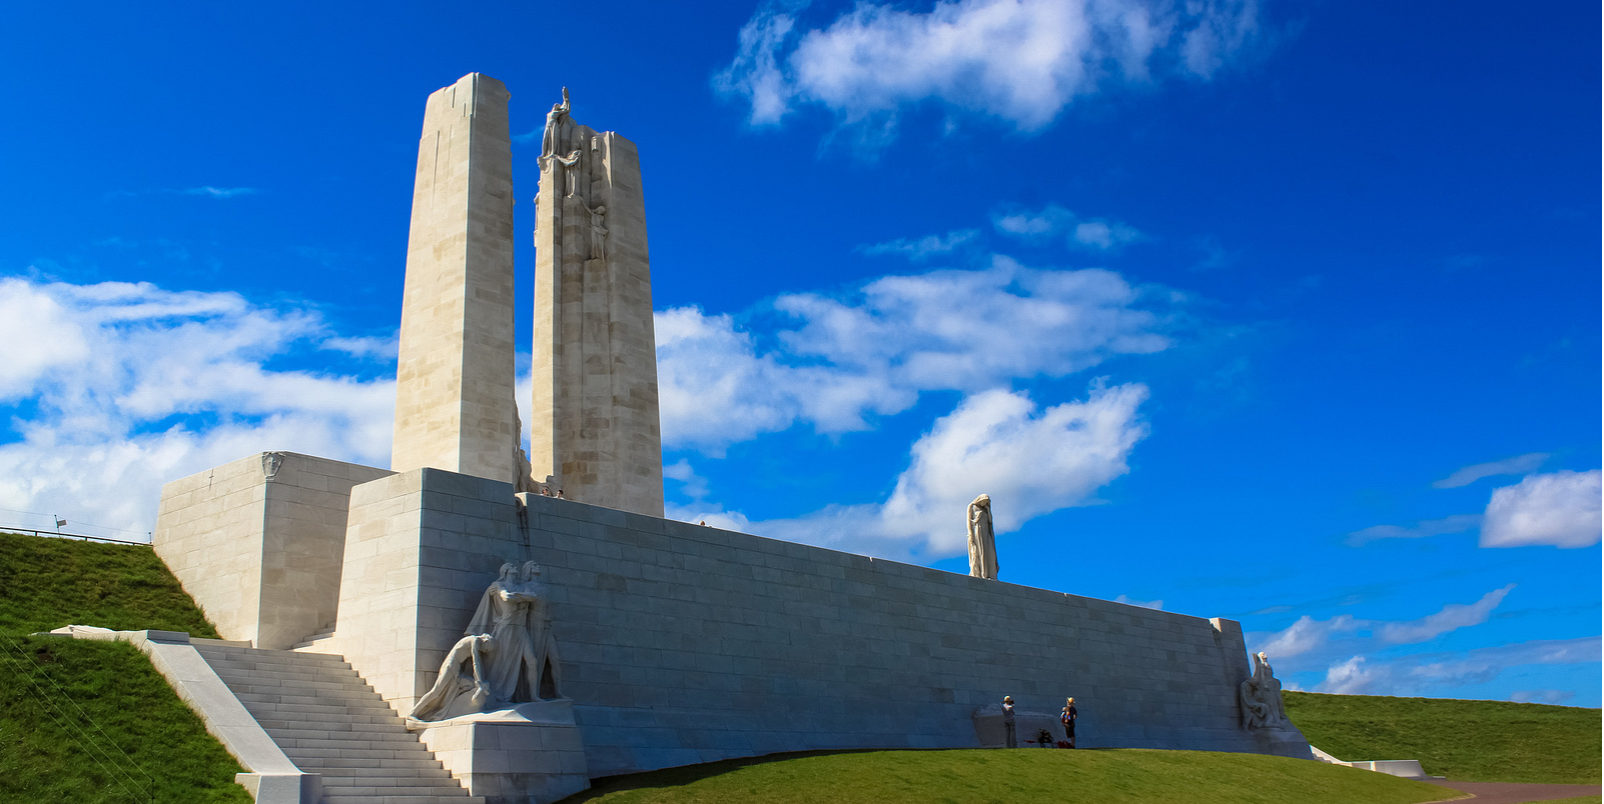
{"points": [[361, 771], [306, 732], [361, 723], [349, 745], [266, 686], [419, 784], [303, 710], [286, 671], [354, 703], [337, 765], [299, 753], [401, 799], [259, 656]]}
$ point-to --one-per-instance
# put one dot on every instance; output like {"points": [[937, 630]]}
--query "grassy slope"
{"points": [[52, 752], [47, 583], [1471, 741], [1124, 776]]}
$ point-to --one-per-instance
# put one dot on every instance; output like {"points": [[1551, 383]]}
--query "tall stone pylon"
{"points": [[594, 420], [455, 405]]}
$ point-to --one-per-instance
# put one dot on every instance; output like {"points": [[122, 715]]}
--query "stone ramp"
{"points": [[327, 720]]}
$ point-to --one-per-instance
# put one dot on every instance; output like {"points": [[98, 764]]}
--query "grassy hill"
{"points": [[93, 722], [1118, 776], [1470, 741]]}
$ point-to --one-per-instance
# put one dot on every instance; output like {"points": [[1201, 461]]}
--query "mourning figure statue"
{"points": [[462, 688], [509, 655], [982, 541], [1260, 696]]}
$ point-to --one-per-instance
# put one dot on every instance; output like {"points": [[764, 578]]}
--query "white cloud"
{"points": [[924, 247], [1452, 617], [1551, 697], [1458, 523], [1318, 639], [1412, 675], [1022, 61], [1518, 465], [875, 351], [1559, 509], [1098, 234], [1306, 635], [1031, 461], [221, 192], [692, 484], [129, 385], [1146, 604]]}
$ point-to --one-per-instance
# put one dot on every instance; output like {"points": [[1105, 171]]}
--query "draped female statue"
{"points": [[982, 541]]}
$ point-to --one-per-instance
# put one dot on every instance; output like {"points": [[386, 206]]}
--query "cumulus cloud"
{"points": [[1518, 465], [1022, 61], [118, 387], [872, 352], [1559, 509], [1458, 523], [1322, 638], [1412, 675], [924, 247], [1097, 234], [1032, 461]]}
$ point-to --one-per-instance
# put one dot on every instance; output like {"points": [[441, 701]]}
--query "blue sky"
{"points": [[1286, 312]]}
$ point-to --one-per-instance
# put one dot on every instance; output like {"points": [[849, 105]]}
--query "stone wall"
{"points": [[682, 643], [259, 542]]}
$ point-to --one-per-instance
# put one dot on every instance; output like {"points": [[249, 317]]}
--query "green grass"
{"points": [[92, 722], [46, 583], [54, 751], [1469, 741], [974, 776]]}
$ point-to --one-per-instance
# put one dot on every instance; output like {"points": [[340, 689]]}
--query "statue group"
{"points": [[1261, 697], [509, 655]]}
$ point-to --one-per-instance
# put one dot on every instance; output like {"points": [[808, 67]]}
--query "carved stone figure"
{"points": [[982, 541], [598, 232], [513, 611], [462, 688], [551, 139], [1260, 696]]}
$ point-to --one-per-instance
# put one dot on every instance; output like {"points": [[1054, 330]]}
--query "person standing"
{"points": [[1008, 721], [1067, 717]]}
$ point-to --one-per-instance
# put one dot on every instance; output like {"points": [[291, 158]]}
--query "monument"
{"points": [[595, 430], [529, 624], [455, 405]]}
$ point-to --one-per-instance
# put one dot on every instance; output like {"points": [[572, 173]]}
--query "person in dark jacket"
{"points": [[1008, 721], [1067, 717]]}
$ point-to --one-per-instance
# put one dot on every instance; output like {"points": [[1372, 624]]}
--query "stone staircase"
{"points": [[327, 720]]}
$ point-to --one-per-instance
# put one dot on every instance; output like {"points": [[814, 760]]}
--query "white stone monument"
{"points": [[454, 399], [594, 425]]}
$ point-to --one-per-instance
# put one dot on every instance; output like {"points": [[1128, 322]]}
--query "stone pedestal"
{"points": [[1283, 742], [530, 754]]}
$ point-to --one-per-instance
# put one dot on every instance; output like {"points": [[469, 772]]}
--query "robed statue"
{"points": [[509, 655], [552, 138], [1260, 696], [982, 541]]}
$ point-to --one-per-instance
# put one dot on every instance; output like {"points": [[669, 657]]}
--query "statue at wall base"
{"points": [[507, 657], [1260, 696]]}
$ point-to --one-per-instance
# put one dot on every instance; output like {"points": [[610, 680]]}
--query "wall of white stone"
{"points": [[259, 542], [682, 643]]}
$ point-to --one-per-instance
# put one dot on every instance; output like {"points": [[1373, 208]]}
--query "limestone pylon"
{"points": [[455, 399], [594, 424]]}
